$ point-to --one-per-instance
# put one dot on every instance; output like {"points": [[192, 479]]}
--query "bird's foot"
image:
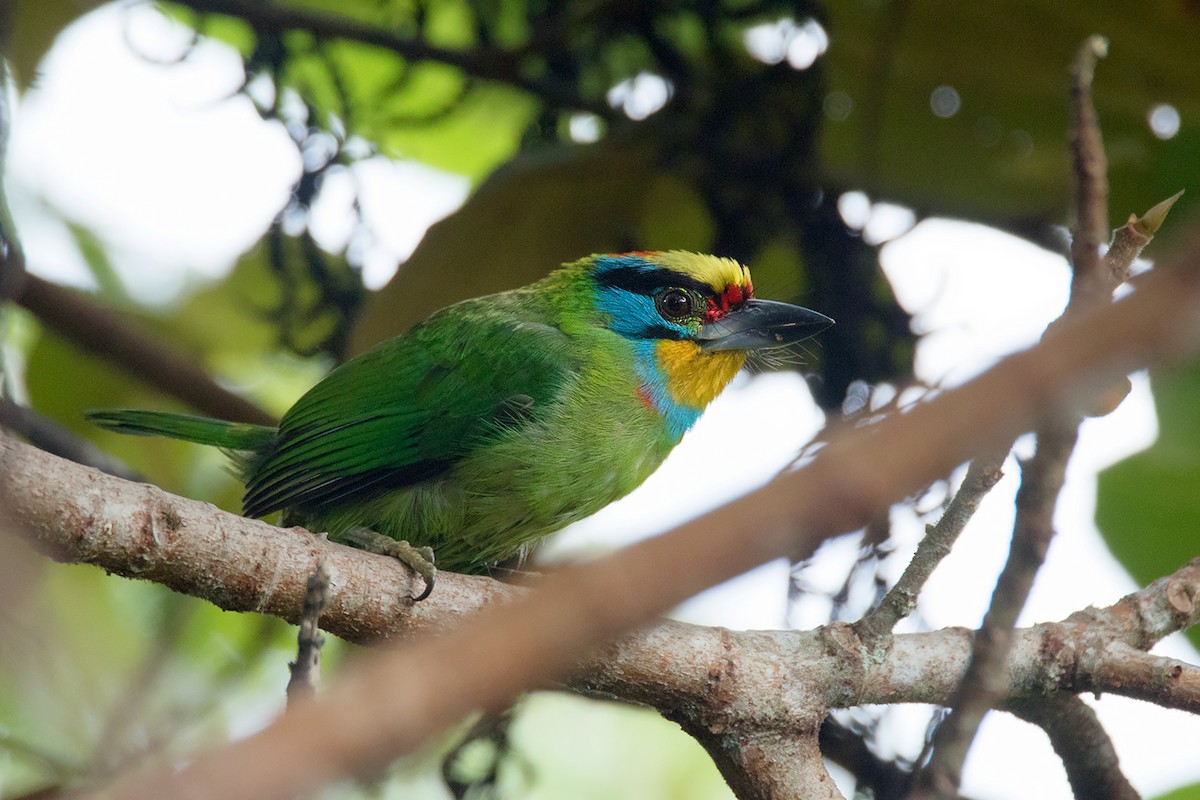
{"points": [[418, 559]]}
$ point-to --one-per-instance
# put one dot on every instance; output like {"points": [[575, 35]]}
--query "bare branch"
{"points": [[887, 780], [1043, 475], [98, 330], [986, 682], [1164, 681], [46, 434], [982, 474], [777, 765], [1087, 753], [490, 64], [724, 687], [1090, 207]]}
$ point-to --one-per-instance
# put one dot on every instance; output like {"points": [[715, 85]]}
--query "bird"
{"points": [[501, 419]]}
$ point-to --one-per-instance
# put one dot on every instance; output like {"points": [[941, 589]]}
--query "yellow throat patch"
{"points": [[693, 377]]}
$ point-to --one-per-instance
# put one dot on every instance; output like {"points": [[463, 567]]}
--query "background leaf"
{"points": [[1148, 506]]}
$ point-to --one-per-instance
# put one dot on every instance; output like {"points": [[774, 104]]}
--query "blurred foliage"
{"points": [[1146, 505], [28, 28], [99, 674], [1191, 792], [548, 107], [500, 91]]}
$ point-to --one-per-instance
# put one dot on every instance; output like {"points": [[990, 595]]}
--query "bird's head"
{"points": [[691, 319]]}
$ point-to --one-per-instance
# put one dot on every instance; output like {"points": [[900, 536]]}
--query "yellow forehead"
{"points": [[715, 271]]}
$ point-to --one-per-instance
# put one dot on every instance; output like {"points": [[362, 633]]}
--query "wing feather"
{"points": [[411, 408]]}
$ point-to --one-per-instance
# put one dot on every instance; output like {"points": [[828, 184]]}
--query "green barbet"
{"points": [[503, 418]]}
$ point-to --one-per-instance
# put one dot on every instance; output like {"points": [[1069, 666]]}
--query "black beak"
{"points": [[759, 325]]}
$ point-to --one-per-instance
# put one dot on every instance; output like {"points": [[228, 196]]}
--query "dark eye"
{"points": [[674, 304]]}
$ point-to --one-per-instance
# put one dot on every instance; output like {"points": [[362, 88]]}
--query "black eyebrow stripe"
{"points": [[647, 281]]}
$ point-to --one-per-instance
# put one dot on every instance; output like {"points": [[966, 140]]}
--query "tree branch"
{"points": [[1079, 739], [389, 703], [982, 474], [1090, 224], [101, 331], [752, 698], [887, 780], [491, 64], [1043, 475], [985, 683], [46, 434]]}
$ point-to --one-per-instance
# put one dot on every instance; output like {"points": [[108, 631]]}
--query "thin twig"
{"points": [[1079, 739], [986, 681], [1033, 529], [1130, 239], [1127, 244], [1042, 476], [101, 331], [491, 64], [306, 669], [1090, 207], [982, 474]]}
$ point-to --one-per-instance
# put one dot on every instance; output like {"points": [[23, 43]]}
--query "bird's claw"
{"points": [[418, 559]]}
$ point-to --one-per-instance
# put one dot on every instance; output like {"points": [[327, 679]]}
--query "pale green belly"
{"points": [[526, 484]]}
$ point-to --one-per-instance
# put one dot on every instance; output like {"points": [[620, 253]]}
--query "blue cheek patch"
{"points": [[679, 418], [635, 317], [630, 314]]}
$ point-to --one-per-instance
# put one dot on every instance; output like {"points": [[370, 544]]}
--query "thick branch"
{"points": [[1157, 679], [729, 689]]}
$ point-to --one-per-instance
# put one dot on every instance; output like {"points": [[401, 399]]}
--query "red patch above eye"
{"points": [[733, 296]]}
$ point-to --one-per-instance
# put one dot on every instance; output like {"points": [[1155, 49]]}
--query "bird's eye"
{"points": [[674, 304]]}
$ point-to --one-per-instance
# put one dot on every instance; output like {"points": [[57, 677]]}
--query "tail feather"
{"points": [[188, 427]]}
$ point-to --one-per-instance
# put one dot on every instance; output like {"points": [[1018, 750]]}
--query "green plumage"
{"points": [[492, 423]]}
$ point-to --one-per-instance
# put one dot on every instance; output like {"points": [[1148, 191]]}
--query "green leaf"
{"points": [[1147, 507]]}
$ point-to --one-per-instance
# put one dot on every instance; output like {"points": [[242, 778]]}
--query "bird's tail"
{"points": [[242, 436]]}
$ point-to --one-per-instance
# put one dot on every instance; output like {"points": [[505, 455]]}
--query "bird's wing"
{"points": [[409, 409]]}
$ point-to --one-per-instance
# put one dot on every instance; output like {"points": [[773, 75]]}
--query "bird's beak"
{"points": [[759, 325]]}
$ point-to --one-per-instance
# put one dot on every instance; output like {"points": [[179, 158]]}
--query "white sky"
{"points": [[183, 178]]}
